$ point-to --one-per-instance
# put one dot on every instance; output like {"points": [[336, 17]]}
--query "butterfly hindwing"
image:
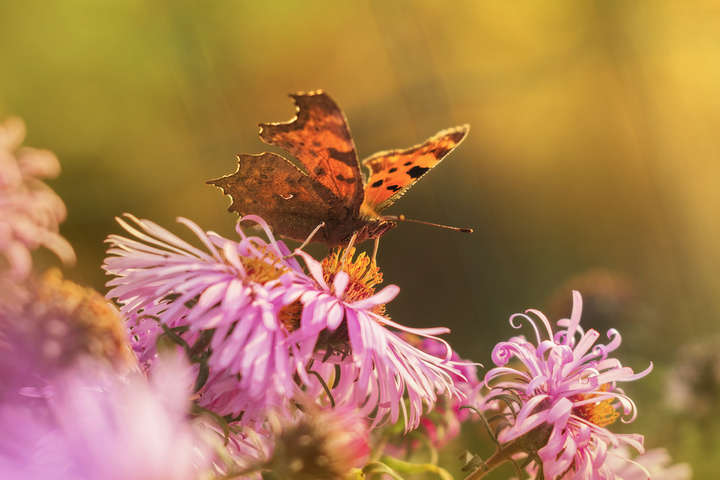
{"points": [[274, 188], [393, 172], [320, 139]]}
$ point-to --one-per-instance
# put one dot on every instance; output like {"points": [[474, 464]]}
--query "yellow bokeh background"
{"points": [[593, 145]]}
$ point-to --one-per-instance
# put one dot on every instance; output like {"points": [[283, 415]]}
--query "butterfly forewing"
{"points": [[272, 187], [320, 139], [393, 172]]}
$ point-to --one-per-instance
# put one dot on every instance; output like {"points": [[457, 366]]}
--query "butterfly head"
{"points": [[375, 228]]}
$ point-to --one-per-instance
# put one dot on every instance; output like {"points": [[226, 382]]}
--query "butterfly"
{"points": [[332, 191]]}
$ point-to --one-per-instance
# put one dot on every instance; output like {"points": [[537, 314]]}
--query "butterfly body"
{"points": [[331, 190]]}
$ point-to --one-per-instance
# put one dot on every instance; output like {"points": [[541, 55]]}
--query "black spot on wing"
{"points": [[342, 178], [377, 184], [407, 163], [393, 188], [393, 170], [417, 172]]}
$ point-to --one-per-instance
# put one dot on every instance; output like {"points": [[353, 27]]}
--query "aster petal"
{"points": [[314, 267], [382, 297], [340, 283]]}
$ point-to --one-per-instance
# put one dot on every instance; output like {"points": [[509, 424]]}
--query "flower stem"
{"points": [[501, 455], [379, 449]]}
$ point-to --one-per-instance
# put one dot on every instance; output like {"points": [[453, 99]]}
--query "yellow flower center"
{"points": [[263, 269], [601, 413], [364, 275], [363, 272]]}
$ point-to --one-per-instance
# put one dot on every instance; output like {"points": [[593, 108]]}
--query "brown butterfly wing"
{"points": [[393, 172], [320, 139], [272, 187]]}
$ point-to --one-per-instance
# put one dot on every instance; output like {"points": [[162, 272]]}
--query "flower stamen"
{"points": [[601, 413], [364, 274], [264, 268]]}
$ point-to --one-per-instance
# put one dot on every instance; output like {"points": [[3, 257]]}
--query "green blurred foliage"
{"points": [[593, 144]]}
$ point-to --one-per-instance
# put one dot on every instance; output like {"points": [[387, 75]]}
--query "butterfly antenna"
{"points": [[403, 218]]}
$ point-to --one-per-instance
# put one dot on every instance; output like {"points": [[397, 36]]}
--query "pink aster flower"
{"points": [[344, 324], [92, 424], [562, 392], [654, 464], [225, 301], [263, 322], [30, 212]]}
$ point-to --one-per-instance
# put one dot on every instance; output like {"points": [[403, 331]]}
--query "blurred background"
{"points": [[591, 163]]}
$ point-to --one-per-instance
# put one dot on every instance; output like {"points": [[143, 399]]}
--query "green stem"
{"points": [[500, 456], [373, 468], [379, 448]]}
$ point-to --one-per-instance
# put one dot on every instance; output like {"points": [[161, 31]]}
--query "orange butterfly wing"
{"points": [[320, 139], [393, 172]]}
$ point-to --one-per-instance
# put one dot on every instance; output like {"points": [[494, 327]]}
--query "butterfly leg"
{"points": [[309, 238], [375, 250], [350, 245]]}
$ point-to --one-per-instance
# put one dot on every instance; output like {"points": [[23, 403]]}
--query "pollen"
{"points": [[601, 413], [363, 272], [263, 269]]}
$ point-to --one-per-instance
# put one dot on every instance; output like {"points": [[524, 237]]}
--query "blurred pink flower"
{"points": [[225, 301], [319, 444], [48, 323], [30, 212], [563, 395], [654, 464], [91, 424]]}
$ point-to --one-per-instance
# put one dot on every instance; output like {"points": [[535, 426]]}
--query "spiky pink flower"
{"points": [[90, 424], [563, 393], [30, 212], [654, 464], [344, 324], [225, 301]]}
